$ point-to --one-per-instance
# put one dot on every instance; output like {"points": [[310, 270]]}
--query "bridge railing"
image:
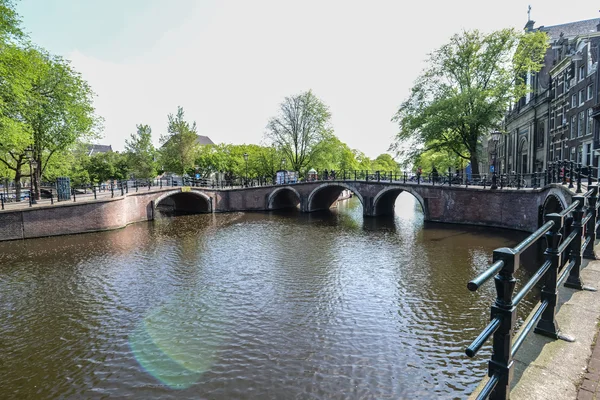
{"points": [[570, 236]]}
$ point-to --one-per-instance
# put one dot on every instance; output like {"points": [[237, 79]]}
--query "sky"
{"points": [[230, 63]]}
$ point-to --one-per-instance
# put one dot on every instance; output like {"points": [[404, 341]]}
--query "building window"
{"points": [[559, 117], [581, 97], [589, 121], [573, 126], [580, 126], [572, 153], [590, 92], [540, 134], [551, 120], [581, 72], [574, 101]]}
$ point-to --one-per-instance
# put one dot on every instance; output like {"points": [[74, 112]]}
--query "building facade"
{"points": [[556, 121]]}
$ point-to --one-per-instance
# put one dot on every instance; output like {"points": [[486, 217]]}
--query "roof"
{"points": [[571, 29], [99, 148], [204, 140]]}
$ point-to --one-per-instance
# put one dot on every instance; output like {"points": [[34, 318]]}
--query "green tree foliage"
{"points": [[179, 146], [385, 163], [60, 111], [465, 91], [141, 154], [104, 166], [299, 129]]}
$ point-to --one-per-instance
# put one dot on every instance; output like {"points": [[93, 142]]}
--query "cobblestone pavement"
{"points": [[589, 387]]}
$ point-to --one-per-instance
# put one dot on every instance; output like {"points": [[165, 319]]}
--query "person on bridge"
{"points": [[419, 172], [434, 174]]}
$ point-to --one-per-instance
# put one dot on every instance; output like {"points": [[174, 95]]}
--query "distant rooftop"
{"points": [[204, 140], [99, 148], [571, 29]]}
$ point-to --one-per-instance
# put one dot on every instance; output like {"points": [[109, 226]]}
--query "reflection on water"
{"points": [[248, 306]]}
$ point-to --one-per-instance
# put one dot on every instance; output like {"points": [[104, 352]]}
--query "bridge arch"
{"points": [[192, 202], [324, 196], [553, 203], [384, 201], [284, 197]]}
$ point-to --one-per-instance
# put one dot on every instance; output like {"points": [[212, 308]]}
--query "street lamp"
{"points": [[246, 159], [495, 138]]}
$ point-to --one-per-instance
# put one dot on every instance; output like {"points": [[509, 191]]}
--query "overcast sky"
{"points": [[231, 63]]}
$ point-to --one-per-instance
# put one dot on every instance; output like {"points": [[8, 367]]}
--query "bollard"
{"points": [[94, 189], [2, 200], [74, 195], [112, 189], [161, 183], [51, 197]]}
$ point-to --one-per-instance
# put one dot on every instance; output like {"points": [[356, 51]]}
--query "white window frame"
{"points": [[590, 92]]}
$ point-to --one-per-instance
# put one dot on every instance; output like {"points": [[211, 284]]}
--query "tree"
{"points": [[465, 91], [179, 146], [302, 124], [59, 111], [104, 166], [141, 154], [385, 163]]}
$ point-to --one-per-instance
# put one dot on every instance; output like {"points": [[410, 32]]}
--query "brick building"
{"points": [[556, 120]]}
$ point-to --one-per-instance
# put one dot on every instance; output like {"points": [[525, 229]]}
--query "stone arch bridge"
{"points": [[515, 209]]}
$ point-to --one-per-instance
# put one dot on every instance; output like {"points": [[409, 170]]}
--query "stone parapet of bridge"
{"points": [[514, 209]]}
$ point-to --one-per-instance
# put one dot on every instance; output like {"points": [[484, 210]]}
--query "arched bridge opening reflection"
{"points": [[184, 203], [284, 198], [327, 195]]}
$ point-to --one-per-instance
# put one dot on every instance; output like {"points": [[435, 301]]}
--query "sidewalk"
{"points": [[555, 369], [591, 380]]}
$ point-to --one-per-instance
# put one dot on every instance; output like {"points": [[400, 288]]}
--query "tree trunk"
{"points": [[18, 183], [37, 178], [474, 165]]}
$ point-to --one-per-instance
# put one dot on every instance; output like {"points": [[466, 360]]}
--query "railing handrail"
{"points": [[564, 255]]}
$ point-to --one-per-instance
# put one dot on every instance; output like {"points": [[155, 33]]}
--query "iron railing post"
{"points": [[574, 278], [578, 178], [501, 363], [571, 175], [590, 228], [547, 325], [589, 175], [449, 177]]}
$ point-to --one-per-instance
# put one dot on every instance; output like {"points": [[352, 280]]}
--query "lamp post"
{"points": [[246, 159], [495, 138]]}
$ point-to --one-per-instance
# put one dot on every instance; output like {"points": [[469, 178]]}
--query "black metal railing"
{"points": [[566, 244]]}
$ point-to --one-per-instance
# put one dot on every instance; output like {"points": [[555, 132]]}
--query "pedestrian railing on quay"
{"points": [[570, 237]]}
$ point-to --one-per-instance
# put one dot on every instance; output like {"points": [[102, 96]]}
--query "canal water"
{"points": [[248, 306]]}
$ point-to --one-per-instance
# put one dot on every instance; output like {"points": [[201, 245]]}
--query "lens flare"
{"points": [[176, 343]]}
